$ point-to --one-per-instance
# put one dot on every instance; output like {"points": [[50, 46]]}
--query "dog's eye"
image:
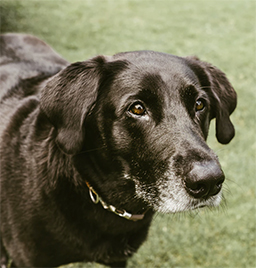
{"points": [[137, 109], [199, 105]]}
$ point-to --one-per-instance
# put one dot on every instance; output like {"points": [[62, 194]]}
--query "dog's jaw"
{"points": [[172, 200], [172, 196]]}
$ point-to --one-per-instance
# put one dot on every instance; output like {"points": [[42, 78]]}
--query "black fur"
{"points": [[79, 126]]}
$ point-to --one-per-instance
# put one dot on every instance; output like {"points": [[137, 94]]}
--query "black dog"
{"points": [[89, 151]]}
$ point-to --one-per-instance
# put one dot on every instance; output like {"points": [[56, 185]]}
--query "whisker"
{"points": [[205, 87], [91, 150], [221, 149], [232, 181]]}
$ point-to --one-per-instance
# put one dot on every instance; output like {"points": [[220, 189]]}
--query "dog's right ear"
{"points": [[68, 98], [223, 97]]}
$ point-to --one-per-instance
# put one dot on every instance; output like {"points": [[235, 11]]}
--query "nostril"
{"points": [[193, 186], [217, 187], [197, 190]]}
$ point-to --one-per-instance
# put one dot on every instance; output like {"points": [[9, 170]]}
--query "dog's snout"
{"points": [[204, 179]]}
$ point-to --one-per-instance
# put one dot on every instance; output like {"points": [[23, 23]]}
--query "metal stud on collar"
{"points": [[121, 213], [94, 196]]}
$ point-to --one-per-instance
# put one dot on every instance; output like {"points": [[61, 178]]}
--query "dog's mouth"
{"points": [[209, 203], [199, 206], [181, 202]]}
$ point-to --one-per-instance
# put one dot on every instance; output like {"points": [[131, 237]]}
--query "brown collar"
{"points": [[120, 212]]}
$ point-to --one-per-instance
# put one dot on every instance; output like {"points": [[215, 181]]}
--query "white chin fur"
{"points": [[170, 205], [172, 197]]}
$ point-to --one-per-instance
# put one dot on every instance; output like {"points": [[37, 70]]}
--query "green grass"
{"points": [[221, 32]]}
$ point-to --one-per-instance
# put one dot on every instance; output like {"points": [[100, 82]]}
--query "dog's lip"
{"points": [[202, 204], [199, 206]]}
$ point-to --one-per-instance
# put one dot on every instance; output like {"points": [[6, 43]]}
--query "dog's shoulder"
{"points": [[26, 58], [26, 64]]}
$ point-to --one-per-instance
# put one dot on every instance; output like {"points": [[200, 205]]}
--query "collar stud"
{"points": [[120, 212]]}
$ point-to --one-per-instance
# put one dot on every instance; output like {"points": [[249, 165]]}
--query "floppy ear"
{"points": [[68, 98], [223, 100], [226, 100]]}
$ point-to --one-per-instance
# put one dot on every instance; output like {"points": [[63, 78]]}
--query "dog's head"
{"points": [[136, 124]]}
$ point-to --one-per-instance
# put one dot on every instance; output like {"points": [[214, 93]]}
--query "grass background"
{"points": [[220, 32]]}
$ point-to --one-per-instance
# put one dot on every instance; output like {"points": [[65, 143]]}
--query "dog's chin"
{"points": [[186, 203], [172, 198]]}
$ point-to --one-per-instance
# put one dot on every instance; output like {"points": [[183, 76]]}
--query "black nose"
{"points": [[204, 180]]}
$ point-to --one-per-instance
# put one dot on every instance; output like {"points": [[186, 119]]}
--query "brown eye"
{"points": [[199, 105], [137, 109]]}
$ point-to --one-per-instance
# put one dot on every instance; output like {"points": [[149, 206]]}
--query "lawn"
{"points": [[220, 32]]}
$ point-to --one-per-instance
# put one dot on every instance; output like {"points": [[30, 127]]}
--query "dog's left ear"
{"points": [[68, 98], [223, 99]]}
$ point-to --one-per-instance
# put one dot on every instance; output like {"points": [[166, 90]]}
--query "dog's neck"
{"points": [[120, 212]]}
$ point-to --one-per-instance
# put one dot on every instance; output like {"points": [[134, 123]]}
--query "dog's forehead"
{"points": [[151, 60], [173, 71]]}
